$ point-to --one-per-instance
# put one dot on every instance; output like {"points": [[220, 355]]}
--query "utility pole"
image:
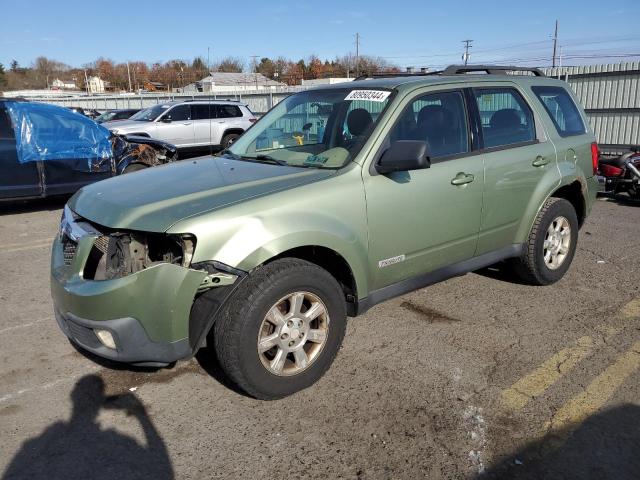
{"points": [[555, 45], [208, 64], [467, 46], [129, 75], [357, 55], [255, 68]]}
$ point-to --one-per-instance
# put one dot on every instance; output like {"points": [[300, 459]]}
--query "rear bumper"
{"points": [[133, 345]]}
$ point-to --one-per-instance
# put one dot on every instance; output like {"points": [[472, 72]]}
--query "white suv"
{"points": [[190, 124]]}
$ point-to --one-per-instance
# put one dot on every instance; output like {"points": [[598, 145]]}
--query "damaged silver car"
{"points": [[47, 150]]}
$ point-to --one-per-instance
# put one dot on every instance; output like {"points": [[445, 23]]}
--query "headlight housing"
{"points": [[122, 253]]}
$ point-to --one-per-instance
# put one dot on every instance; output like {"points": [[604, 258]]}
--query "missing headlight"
{"points": [[120, 254]]}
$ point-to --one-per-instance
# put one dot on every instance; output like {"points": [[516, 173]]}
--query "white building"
{"points": [[95, 85], [221, 82], [58, 84], [326, 81]]}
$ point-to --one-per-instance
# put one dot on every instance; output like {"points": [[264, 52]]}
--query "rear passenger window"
{"points": [[203, 112], [229, 111], [562, 110], [506, 118], [438, 118]]}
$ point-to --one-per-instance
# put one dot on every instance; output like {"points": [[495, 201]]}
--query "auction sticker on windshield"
{"points": [[371, 95]]}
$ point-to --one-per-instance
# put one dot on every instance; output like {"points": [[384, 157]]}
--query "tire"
{"points": [[134, 167], [228, 139], [536, 265], [243, 321]]}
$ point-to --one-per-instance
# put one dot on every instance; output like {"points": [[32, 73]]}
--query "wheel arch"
{"points": [[236, 130], [574, 193]]}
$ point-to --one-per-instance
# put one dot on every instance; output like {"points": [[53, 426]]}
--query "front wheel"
{"points": [[551, 245], [282, 328]]}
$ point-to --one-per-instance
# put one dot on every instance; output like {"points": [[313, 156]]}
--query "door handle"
{"points": [[188, 123], [540, 161], [462, 179]]}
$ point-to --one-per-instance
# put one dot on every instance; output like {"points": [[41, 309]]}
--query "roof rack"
{"points": [[210, 99], [457, 70], [489, 69]]}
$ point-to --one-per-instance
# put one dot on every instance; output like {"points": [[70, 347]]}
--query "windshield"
{"points": [[150, 114], [105, 117], [316, 128]]}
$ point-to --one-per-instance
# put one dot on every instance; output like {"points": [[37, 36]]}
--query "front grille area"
{"points": [[69, 248], [83, 335]]}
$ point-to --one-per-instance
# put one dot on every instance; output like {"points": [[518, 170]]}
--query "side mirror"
{"points": [[165, 119], [404, 155]]}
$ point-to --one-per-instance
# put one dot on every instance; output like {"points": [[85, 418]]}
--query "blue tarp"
{"points": [[47, 132]]}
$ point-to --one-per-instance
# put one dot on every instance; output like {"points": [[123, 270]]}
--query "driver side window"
{"points": [[179, 113], [440, 119]]}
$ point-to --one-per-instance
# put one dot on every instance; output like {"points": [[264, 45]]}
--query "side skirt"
{"points": [[444, 273]]}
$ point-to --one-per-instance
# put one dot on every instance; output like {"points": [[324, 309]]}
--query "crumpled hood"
{"points": [[155, 198]]}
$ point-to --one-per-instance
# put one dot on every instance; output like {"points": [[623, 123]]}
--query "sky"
{"points": [[407, 33]]}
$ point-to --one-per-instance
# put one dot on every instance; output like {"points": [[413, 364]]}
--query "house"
{"points": [[58, 84], [221, 82], [95, 85], [154, 86]]}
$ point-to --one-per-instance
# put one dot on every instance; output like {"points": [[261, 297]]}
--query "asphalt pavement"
{"points": [[476, 377]]}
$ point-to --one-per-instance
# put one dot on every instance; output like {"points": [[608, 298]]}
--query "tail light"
{"points": [[253, 120], [610, 171], [594, 157]]}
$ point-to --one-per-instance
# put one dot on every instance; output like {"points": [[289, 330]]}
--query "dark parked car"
{"points": [[115, 115], [47, 150]]}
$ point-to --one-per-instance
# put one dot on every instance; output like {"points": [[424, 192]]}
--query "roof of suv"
{"points": [[206, 101], [410, 81]]}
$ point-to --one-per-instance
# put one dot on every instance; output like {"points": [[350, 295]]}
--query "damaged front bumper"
{"points": [[142, 317]]}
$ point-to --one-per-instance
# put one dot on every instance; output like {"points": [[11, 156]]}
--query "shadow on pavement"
{"points": [[80, 449], [11, 207], [605, 446]]}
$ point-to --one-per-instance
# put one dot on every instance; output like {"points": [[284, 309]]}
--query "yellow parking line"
{"points": [[537, 382], [551, 370], [631, 309], [599, 391], [24, 247]]}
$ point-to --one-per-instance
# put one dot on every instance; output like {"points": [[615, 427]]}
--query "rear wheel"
{"points": [[282, 328], [551, 245], [228, 139]]}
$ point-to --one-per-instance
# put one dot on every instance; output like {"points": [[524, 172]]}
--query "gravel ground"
{"points": [[477, 377]]}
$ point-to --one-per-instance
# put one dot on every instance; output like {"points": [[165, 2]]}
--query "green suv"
{"points": [[339, 198]]}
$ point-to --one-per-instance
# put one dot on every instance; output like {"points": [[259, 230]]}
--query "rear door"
{"points": [[179, 130], [517, 157], [16, 179], [204, 123]]}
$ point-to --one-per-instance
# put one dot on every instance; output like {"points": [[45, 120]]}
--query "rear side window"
{"points": [[506, 118], [562, 110], [203, 112], [6, 130], [229, 111]]}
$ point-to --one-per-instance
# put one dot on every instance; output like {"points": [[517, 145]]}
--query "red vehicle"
{"points": [[622, 174]]}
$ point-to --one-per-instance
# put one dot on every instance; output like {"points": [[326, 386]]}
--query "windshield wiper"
{"points": [[258, 158]]}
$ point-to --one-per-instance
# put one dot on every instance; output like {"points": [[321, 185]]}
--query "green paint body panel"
{"points": [[243, 214]]}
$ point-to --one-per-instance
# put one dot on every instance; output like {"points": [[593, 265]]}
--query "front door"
{"points": [[176, 126], [422, 220]]}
